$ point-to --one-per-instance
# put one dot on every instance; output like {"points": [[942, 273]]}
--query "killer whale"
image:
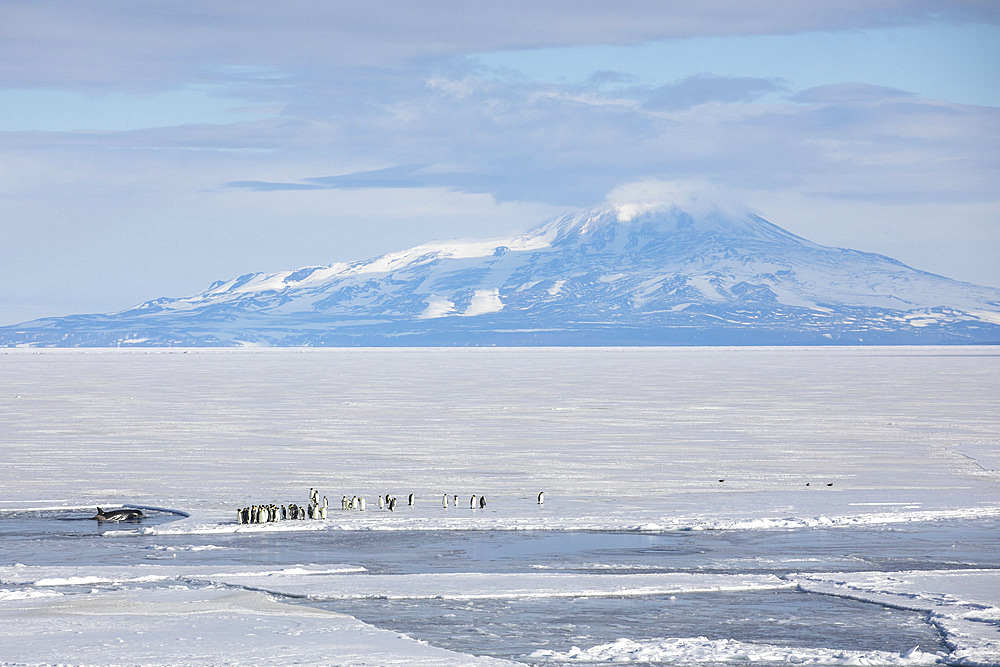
{"points": [[127, 514]]}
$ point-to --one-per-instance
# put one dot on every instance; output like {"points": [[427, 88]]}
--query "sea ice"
{"points": [[618, 439]]}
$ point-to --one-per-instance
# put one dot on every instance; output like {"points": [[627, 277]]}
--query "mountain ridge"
{"points": [[613, 276]]}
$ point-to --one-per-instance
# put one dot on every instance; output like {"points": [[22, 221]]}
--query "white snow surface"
{"points": [[201, 627], [619, 439], [693, 650]]}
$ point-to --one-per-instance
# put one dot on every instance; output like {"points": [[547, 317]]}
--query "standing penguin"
{"points": [[392, 504], [541, 497], [444, 501], [410, 500], [482, 502], [323, 508], [472, 502], [361, 504], [381, 502]]}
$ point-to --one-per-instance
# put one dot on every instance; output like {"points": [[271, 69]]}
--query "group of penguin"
{"points": [[388, 502], [317, 509], [473, 503], [271, 512]]}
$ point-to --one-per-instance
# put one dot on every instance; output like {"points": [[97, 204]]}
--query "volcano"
{"points": [[603, 277]]}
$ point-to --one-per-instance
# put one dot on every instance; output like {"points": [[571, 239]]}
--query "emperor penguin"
{"points": [[444, 501], [323, 508], [343, 502], [392, 504], [541, 497], [381, 502], [456, 500], [472, 502], [361, 504], [482, 502], [409, 501], [239, 516]]}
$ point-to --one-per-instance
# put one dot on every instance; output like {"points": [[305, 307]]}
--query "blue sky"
{"points": [[152, 151]]}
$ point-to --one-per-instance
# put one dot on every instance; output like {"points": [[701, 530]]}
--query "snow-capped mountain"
{"points": [[617, 276]]}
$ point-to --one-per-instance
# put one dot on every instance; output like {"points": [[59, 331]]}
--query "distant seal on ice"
{"points": [[117, 515]]}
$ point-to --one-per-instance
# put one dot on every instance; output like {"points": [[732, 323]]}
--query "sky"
{"points": [[149, 149]]}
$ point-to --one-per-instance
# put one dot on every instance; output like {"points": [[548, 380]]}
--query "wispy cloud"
{"points": [[704, 89]]}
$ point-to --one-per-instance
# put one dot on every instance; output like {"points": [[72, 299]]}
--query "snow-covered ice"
{"points": [[692, 650], [964, 604], [200, 626], [852, 474]]}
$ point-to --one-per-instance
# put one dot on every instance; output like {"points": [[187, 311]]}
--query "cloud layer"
{"points": [[62, 43]]}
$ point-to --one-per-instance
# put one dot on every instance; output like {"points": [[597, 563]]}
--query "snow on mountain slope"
{"points": [[606, 276]]}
